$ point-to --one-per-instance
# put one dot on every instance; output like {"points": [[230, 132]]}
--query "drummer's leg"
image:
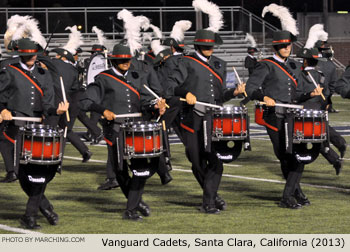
{"points": [[136, 187], [34, 192]]}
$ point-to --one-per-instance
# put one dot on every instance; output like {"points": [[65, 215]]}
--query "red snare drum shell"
{"points": [[140, 147], [259, 116], [227, 125], [37, 150], [319, 128]]}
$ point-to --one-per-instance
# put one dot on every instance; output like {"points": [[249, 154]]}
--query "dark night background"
{"points": [[253, 5]]}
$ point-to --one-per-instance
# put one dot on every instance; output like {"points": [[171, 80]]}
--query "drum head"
{"points": [[226, 152], [96, 66]]}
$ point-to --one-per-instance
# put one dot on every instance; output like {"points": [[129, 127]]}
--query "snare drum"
{"points": [[259, 111], [310, 126], [230, 123], [41, 144], [142, 139]]}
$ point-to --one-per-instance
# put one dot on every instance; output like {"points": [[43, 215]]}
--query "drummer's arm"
{"points": [[256, 80]]}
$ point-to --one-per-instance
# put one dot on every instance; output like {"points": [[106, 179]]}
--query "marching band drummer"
{"points": [[120, 90], [275, 80], [26, 90], [201, 76]]}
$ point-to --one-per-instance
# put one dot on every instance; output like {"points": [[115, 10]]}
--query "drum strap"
{"points": [[207, 67], [8, 138], [284, 69], [186, 128], [122, 82], [30, 79]]}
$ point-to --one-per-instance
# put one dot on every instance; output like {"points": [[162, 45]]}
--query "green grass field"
{"points": [[252, 203]]}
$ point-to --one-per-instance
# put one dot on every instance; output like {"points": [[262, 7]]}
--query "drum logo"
{"points": [[100, 66]]}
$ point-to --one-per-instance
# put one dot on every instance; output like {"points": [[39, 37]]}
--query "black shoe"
{"points": [[29, 222], [332, 110], [97, 139], [10, 177], [168, 164], [50, 215], [109, 184], [338, 166], [166, 178], [131, 215], [289, 203], [86, 156], [143, 208], [220, 203], [209, 210], [342, 151], [302, 199]]}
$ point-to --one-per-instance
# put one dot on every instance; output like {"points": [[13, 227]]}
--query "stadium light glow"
{"points": [[80, 27], [342, 12]]}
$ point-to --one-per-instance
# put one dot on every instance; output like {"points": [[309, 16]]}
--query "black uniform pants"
{"points": [[206, 167], [6, 149], [172, 115], [33, 180], [71, 135], [132, 187], [89, 124], [292, 170], [338, 141]]}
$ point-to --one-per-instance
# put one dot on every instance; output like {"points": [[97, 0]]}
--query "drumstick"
{"points": [[64, 97], [285, 105], [154, 94], [239, 80], [128, 115], [28, 119], [313, 80], [204, 104]]}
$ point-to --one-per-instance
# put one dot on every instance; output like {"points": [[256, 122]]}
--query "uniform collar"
{"points": [[279, 59], [118, 73], [253, 57], [201, 57], [24, 66], [177, 53]]}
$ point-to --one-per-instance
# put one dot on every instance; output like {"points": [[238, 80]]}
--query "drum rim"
{"points": [[137, 126], [229, 108]]}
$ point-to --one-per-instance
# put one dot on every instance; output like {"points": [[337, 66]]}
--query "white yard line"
{"points": [[17, 230]]}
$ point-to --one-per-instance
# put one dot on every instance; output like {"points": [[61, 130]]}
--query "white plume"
{"points": [[15, 22], [316, 33], [75, 39], [288, 23], [215, 15], [100, 35], [251, 40], [179, 28], [156, 31], [132, 27], [156, 46], [28, 28]]}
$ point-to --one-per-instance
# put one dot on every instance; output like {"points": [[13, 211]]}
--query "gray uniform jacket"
{"points": [[116, 93], [207, 81], [26, 92], [276, 80]]}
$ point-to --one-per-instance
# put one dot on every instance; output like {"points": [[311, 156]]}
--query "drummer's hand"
{"points": [[62, 107], [1, 119], [43, 65], [190, 98], [269, 101], [240, 89], [6, 115], [109, 115], [317, 91], [161, 106]]}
